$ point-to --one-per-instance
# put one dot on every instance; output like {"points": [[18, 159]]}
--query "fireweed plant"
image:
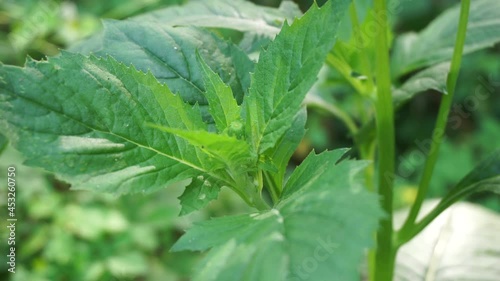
{"points": [[164, 98]]}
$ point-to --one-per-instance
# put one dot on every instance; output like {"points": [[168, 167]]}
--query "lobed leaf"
{"points": [[317, 231], [198, 194], [286, 70], [221, 103], [83, 118]]}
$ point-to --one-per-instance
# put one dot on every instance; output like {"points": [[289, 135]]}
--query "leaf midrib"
{"points": [[191, 165], [154, 56]]}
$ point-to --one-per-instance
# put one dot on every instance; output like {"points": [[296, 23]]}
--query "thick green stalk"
{"points": [[442, 119], [385, 253]]}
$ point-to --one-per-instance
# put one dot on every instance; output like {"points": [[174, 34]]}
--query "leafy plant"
{"points": [[172, 97]]}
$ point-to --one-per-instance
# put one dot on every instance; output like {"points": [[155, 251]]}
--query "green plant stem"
{"points": [[345, 70], [256, 194], [442, 119], [246, 189], [445, 203], [260, 204], [272, 187], [385, 253], [365, 59], [335, 111], [406, 236]]}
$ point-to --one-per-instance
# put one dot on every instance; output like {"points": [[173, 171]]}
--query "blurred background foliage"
{"points": [[79, 235]]}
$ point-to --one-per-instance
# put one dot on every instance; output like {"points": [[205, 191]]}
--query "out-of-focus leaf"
{"points": [[461, 244], [89, 223], [230, 14], [168, 53], [129, 264], [436, 42], [484, 177], [432, 78], [318, 229], [85, 119]]}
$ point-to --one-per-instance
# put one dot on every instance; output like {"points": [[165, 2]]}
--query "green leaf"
{"points": [[435, 43], [221, 103], [227, 149], [198, 194], [168, 52], [83, 118], [286, 70], [286, 146], [432, 78], [484, 177], [229, 14], [306, 174], [460, 244], [319, 229]]}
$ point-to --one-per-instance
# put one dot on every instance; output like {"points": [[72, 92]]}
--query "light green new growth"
{"points": [[286, 71], [221, 103]]}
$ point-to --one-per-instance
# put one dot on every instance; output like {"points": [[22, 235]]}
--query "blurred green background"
{"points": [[79, 235]]}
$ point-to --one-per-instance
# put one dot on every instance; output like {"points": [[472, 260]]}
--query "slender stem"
{"points": [[445, 203], [406, 236], [255, 193], [272, 187], [385, 252], [333, 110], [345, 70], [442, 119], [247, 190]]}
